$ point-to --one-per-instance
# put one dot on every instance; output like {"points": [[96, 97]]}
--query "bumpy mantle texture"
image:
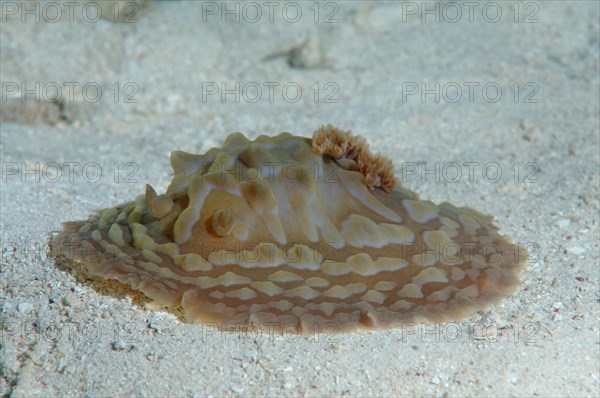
{"points": [[287, 231]]}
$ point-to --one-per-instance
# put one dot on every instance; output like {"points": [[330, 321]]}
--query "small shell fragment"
{"points": [[288, 231]]}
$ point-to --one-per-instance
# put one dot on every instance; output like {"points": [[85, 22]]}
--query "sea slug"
{"points": [[288, 230]]}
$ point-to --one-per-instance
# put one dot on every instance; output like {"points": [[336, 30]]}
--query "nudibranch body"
{"points": [[287, 231]]}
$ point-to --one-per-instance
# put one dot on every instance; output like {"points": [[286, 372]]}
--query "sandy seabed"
{"points": [[493, 105]]}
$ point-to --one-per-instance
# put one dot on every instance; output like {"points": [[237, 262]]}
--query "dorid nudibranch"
{"points": [[291, 230]]}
